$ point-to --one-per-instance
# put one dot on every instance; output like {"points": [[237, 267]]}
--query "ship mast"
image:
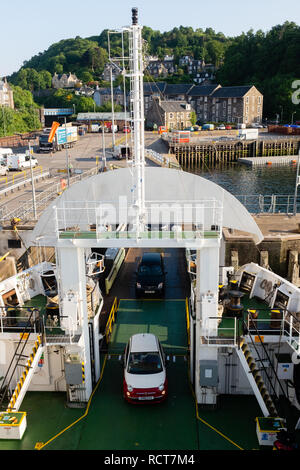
{"points": [[137, 101]]}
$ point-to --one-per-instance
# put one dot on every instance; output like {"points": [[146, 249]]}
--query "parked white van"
{"points": [[4, 152], [19, 161], [3, 169]]}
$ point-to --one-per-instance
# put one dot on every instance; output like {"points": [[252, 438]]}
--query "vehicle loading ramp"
{"points": [[164, 318]]}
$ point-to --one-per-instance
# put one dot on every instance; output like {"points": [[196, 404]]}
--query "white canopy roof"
{"points": [[161, 184]]}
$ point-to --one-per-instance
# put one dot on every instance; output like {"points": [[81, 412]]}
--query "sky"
{"points": [[29, 27]]}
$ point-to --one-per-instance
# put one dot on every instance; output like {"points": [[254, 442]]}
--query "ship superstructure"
{"points": [[242, 324]]}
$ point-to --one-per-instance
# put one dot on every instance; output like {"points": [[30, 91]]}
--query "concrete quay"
{"points": [[278, 250], [263, 161]]}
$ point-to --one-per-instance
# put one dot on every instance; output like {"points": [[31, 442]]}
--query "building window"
{"points": [[259, 100], [14, 243], [247, 99], [171, 115]]}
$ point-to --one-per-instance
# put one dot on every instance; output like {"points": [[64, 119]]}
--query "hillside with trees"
{"points": [[87, 57], [269, 60], [25, 116]]}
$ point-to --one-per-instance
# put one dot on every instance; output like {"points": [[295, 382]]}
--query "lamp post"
{"points": [[296, 185], [112, 110], [31, 175], [67, 154], [32, 181], [281, 120], [103, 148], [293, 117]]}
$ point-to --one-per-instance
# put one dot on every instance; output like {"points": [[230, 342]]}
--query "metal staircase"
{"points": [[255, 379], [25, 379], [19, 360]]}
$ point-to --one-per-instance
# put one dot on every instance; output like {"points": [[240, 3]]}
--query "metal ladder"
{"points": [[18, 361]]}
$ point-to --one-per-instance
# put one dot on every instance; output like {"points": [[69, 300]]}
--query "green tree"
{"points": [[193, 118]]}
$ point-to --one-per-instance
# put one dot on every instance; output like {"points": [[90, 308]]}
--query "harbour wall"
{"points": [[199, 153]]}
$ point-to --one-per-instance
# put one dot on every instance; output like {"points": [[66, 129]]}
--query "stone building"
{"points": [[200, 99], [171, 114], [103, 95], [6, 94], [177, 91], [152, 90], [160, 68], [112, 70], [65, 80], [201, 72], [237, 104]]}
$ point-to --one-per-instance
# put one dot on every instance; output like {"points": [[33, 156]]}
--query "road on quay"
{"points": [[85, 155]]}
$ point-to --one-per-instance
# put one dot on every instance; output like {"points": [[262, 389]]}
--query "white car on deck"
{"points": [[145, 377]]}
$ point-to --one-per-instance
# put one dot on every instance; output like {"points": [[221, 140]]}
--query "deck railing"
{"points": [[287, 327], [162, 219], [270, 203], [111, 320], [221, 335]]}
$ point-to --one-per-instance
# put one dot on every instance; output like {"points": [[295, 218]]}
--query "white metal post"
{"points": [[32, 182], [73, 280], [112, 110], [103, 148], [297, 184], [206, 282], [67, 155]]}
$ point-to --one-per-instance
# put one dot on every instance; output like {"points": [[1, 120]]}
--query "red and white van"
{"points": [[145, 377]]}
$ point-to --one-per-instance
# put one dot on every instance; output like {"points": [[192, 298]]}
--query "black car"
{"points": [[150, 276]]}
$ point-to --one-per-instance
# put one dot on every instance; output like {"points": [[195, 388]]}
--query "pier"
{"points": [[218, 149], [276, 161]]}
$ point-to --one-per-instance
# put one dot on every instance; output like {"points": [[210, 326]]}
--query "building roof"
{"points": [[173, 106], [67, 74], [178, 88], [101, 116], [154, 87], [203, 90], [232, 91], [107, 91]]}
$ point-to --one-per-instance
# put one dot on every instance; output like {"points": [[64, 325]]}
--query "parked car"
{"points": [[150, 276], [145, 378], [221, 128], [228, 128]]}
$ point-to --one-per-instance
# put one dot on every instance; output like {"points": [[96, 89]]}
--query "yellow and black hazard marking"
{"points": [[83, 372], [24, 375]]}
